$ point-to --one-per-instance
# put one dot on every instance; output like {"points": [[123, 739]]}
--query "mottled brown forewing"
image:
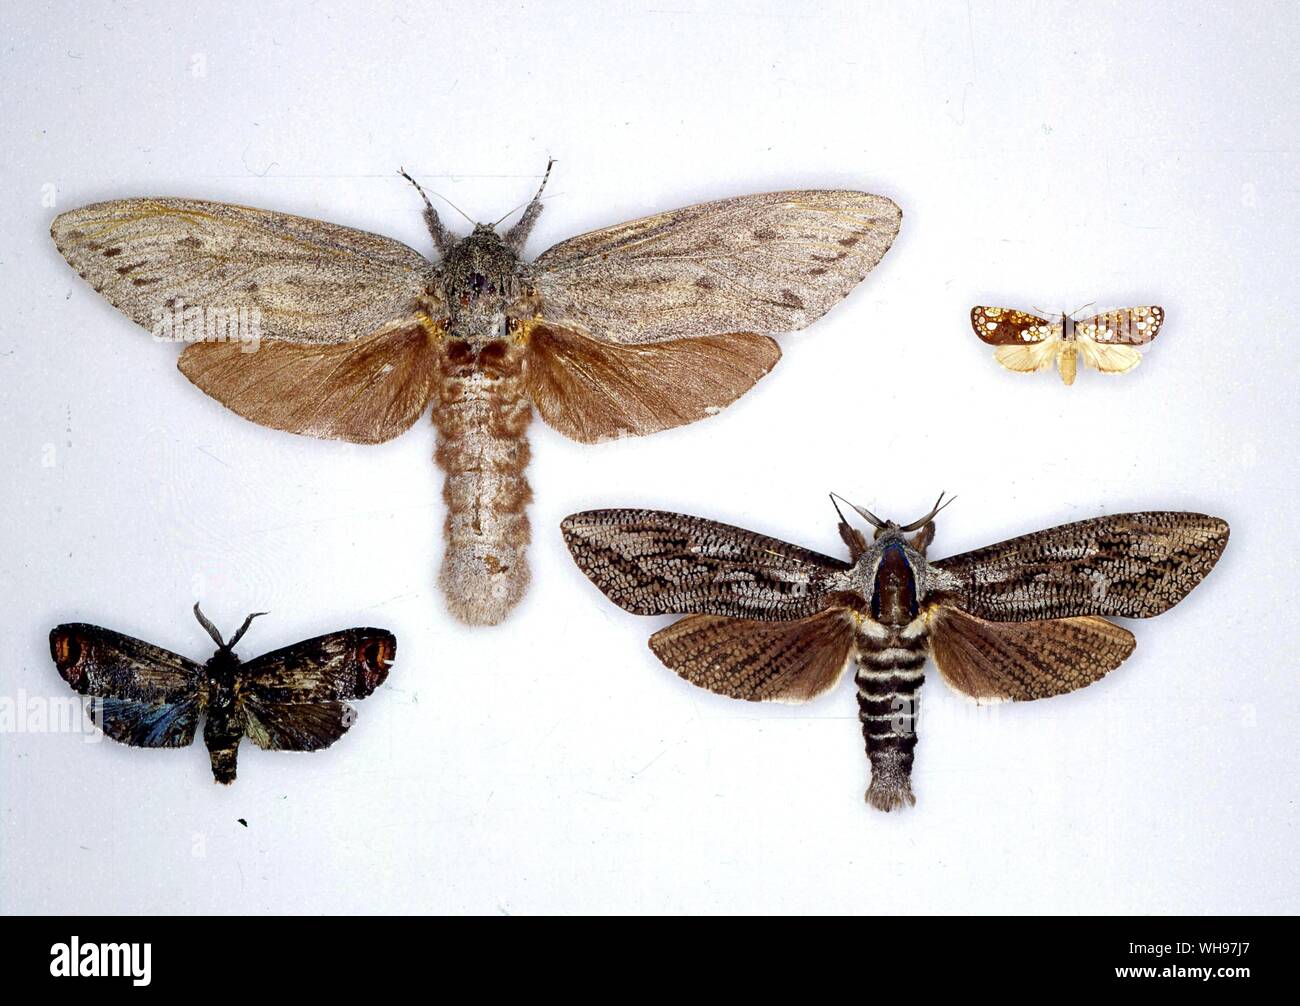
{"points": [[759, 661], [1005, 326], [1128, 326], [349, 664], [1024, 660], [99, 661], [652, 562], [591, 390], [144, 695], [767, 263], [1133, 565]]}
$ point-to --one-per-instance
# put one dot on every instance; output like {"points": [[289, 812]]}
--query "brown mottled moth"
{"points": [[292, 699], [1105, 342], [772, 621], [620, 332]]}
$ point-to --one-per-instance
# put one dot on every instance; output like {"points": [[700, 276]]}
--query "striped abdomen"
{"points": [[889, 679], [482, 416]]}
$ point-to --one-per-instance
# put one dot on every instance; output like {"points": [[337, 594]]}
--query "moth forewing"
{"points": [[1129, 565], [186, 263], [348, 335], [768, 263]]}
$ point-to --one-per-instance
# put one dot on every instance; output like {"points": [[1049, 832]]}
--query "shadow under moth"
{"points": [[1104, 342], [291, 699], [623, 331], [766, 620]]}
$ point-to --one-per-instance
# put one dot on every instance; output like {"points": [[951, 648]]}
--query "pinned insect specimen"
{"points": [[619, 332], [1105, 342], [292, 699], [771, 621]]}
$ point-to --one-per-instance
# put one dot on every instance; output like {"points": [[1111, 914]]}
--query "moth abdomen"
{"points": [[482, 419], [889, 679], [224, 727], [223, 761]]}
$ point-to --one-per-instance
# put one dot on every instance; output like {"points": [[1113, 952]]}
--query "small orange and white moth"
{"points": [[1027, 342]]}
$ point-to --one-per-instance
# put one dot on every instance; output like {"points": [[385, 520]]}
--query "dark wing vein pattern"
{"points": [[652, 562], [1133, 565]]}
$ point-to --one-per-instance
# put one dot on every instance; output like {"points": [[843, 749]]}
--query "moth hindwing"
{"points": [[292, 699], [1105, 342], [766, 620], [332, 332]]}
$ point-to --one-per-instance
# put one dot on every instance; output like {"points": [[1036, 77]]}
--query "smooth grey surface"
{"points": [[1044, 155]]}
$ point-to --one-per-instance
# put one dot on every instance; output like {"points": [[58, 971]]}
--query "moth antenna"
{"points": [[536, 198], [836, 505], [212, 629], [518, 234], [244, 628], [862, 512], [934, 512], [443, 239], [1081, 307]]}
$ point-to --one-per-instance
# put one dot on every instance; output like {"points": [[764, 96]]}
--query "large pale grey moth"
{"points": [[1023, 619], [623, 331]]}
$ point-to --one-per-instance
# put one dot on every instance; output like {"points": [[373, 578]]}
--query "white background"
{"points": [[1044, 155]]}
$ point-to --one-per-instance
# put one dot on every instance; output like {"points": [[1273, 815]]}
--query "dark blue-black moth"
{"points": [[291, 699]]}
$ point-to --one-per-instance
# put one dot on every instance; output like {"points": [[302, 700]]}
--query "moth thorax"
{"points": [[893, 601], [480, 274], [221, 668]]}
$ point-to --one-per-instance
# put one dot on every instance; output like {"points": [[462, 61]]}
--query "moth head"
{"points": [[480, 271], [887, 529]]}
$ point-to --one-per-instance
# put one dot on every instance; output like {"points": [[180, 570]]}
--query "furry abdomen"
{"points": [[889, 679], [482, 415]]}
